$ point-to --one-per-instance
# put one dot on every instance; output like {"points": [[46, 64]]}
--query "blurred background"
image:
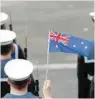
{"points": [[35, 19]]}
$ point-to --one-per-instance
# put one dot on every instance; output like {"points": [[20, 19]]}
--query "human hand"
{"points": [[47, 90]]}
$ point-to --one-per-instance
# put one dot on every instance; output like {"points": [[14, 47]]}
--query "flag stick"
{"points": [[47, 69]]}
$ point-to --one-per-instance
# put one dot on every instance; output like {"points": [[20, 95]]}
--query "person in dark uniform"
{"points": [[85, 72], [80, 76], [92, 14]]}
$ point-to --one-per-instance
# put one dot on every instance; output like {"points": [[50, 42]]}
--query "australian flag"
{"points": [[70, 44]]}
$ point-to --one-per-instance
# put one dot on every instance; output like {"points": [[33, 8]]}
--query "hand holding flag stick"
{"points": [[47, 90]]}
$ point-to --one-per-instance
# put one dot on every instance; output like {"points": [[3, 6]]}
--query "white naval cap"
{"points": [[3, 17], [92, 14], [18, 69], [7, 37]]}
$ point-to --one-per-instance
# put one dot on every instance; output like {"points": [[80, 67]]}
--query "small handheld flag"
{"points": [[69, 44]]}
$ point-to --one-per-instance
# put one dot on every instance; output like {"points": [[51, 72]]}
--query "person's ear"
{"points": [[8, 82], [29, 81], [12, 47]]}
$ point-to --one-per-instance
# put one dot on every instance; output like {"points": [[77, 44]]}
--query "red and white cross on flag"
{"points": [[58, 37]]}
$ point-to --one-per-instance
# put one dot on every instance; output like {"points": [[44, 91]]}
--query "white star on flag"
{"points": [[74, 45], [82, 42], [56, 46], [85, 47]]}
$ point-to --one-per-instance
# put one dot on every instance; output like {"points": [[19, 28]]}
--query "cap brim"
{"points": [[20, 79], [6, 43]]}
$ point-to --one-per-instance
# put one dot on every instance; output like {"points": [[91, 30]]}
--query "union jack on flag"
{"points": [[59, 37], [69, 44]]}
